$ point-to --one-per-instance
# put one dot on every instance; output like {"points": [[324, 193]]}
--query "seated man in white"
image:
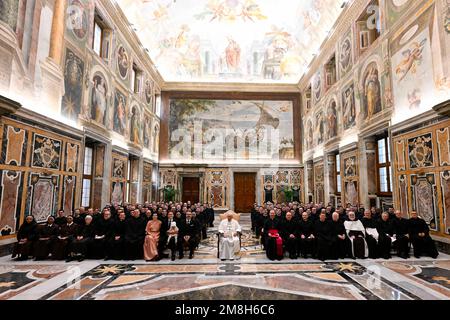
{"points": [[229, 238]]}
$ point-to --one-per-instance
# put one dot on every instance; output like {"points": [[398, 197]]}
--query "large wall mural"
{"points": [[245, 40], [73, 84], [226, 130], [412, 67]]}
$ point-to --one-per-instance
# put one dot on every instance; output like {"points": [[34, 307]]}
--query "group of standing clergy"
{"points": [[128, 232], [330, 234]]}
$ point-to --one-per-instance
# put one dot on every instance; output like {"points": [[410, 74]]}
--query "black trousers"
{"points": [[402, 245], [308, 246], [191, 243], [117, 249], [340, 249], [291, 245], [372, 246], [384, 246], [134, 249], [424, 246], [82, 247]]}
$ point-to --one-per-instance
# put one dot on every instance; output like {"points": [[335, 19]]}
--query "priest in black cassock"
{"points": [[340, 244], [80, 246], [372, 235], [322, 230], [420, 237], [273, 240], [118, 240], [134, 236], [401, 234], [104, 233], [386, 235], [307, 237], [289, 233]]}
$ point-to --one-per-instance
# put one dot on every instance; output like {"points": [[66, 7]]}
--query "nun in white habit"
{"points": [[356, 233]]}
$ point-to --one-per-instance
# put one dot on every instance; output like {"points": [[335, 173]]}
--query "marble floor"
{"points": [[252, 277]]}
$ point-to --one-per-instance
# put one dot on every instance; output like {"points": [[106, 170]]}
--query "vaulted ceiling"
{"points": [[258, 41]]}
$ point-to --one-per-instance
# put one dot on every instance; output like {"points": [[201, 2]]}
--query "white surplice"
{"points": [[356, 226], [229, 244]]}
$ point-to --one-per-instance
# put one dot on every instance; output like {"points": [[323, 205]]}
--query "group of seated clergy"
{"points": [[328, 233], [126, 232]]}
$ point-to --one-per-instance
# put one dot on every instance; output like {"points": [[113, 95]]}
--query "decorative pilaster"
{"points": [[57, 35]]}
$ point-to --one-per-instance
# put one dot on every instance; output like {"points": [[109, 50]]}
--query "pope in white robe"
{"points": [[229, 238]]}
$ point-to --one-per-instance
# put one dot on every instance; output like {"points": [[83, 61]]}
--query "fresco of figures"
{"points": [[77, 23], [345, 55], [226, 129], [412, 67], [348, 107], [371, 91], [135, 125], [332, 120], [123, 62], [73, 84], [320, 128], [120, 113], [205, 38], [148, 93], [99, 98]]}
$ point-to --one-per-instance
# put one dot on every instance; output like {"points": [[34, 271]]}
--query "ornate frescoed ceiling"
{"points": [[265, 41]]}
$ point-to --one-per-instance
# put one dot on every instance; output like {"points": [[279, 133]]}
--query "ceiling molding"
{"points": [[224, 86]]}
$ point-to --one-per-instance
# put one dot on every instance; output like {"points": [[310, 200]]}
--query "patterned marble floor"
{"points": [[205, 277]]}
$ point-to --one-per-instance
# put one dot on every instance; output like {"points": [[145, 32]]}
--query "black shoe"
{"points": [[106, 259], [417, 256], [173, 258], [191, 256], [70, 259], [80, 258], [180, 256]]}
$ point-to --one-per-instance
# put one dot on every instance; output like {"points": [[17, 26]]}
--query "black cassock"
{"points": [[372, 243], [401, 231], [26, 231], [103, 247], [272, 244], [422, 245], [117, 246], [44, 246], [307, 245], [291, 244], [339, 248], [134, 238], [259, 224], [82, 246], [385, 231], [322, 231], [61, 246]]}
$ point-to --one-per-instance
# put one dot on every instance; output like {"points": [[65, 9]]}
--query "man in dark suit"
{"points": [[188, 234]]}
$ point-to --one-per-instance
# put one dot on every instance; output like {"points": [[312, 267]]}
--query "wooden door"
{"points": [[191, 189], [244, 192]]}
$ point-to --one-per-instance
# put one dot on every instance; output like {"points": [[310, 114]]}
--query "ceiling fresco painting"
{"points": [[265, 41]]}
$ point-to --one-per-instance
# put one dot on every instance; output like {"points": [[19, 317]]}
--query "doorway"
{"points": [[191, 189], [244, 192]]}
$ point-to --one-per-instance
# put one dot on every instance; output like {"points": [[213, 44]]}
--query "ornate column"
{"points": [[57, 35], [51, 68], [330, 178], [367, 171], [309, 181]]}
